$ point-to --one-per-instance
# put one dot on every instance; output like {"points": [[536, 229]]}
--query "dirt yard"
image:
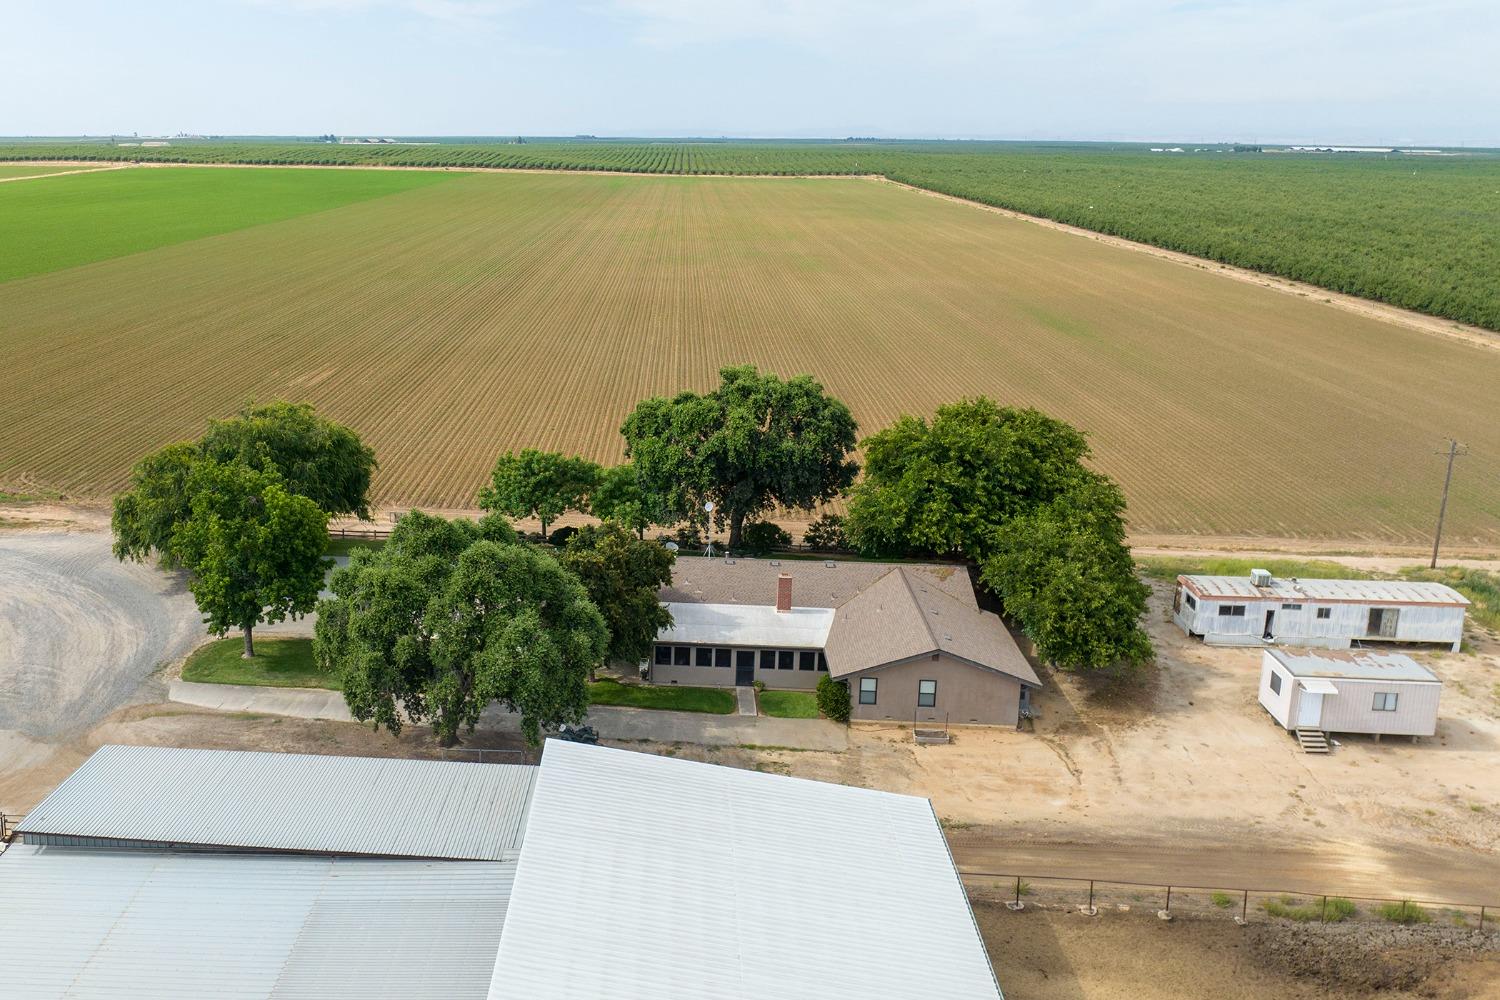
{"points": [[1064, 955]]}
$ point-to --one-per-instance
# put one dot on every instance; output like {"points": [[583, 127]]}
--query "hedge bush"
{"points": [[833, 698]]}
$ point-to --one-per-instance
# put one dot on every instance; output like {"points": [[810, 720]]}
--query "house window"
{"points": [[926, 694], [1291, 607], [807, 660], [786, 660], [822, 662], [1275, 682], [867, 690], [1385, 701], [704, 656], [768, 659], [663, 656], [1192, 601], [1231, 611], [682, 656], [722, 657], [1325, 613]]}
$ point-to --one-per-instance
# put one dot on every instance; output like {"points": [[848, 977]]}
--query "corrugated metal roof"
{"points": [[83, 924], [1353, 665], [293, 802], [815, 583], [747, 625], [1360, 591], [651, 878]]}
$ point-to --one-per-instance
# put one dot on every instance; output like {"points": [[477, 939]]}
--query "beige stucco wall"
{"points": [[966, 694], [794, 679]]}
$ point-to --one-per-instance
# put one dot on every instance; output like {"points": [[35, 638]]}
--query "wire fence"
{"points": [[1094, 897]]}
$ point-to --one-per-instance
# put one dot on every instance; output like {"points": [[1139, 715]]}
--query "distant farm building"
{"points": [[1330, 614], [910, 640], [1365, 691]]}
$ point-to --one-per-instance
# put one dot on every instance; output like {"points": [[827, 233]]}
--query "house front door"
{"points": [[744, 667], [1309, 710], [1270, 617]]}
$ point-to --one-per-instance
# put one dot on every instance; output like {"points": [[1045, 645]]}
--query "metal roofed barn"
{"points": [[86, 923], [164, 796], [1262, 610], [647, 860]]}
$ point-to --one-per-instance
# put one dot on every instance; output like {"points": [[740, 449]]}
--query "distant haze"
{"points": [[1420, 72]]}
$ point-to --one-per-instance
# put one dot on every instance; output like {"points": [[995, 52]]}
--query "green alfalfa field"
{"points": [[449, 316]]}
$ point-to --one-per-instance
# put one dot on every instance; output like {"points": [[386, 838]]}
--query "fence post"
{"points": [[1091, 895], [1323, 913], [1018, 892], [1481, 918], [1245, 908]]}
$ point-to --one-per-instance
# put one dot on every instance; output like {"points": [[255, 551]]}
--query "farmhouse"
{"points": [[910, 640], [1361, 691], [167, 873], [1332, 614]]}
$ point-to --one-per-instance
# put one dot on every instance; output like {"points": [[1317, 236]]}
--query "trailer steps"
{"points": [[1313, 740]]}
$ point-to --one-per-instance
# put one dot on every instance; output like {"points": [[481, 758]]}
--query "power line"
{"points": [[1454, 450]]}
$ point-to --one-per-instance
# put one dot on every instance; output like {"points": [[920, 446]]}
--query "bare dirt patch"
{"points": [[1061, 955]]}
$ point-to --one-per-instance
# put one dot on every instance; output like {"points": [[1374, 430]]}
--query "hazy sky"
{"points": [[1353, 71]]}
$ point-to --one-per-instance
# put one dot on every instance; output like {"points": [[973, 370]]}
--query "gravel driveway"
{"points": [[79, 632]]}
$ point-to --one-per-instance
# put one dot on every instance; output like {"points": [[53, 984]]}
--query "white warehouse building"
{"points": [[1263, 610]]}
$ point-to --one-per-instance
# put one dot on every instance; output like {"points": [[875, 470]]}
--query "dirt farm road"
{"points": [[1306, 868]]}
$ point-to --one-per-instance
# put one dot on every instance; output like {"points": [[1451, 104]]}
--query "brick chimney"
{"points": [[784, 593]]}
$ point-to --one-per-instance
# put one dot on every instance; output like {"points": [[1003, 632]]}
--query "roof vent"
{"points": [[775, 562], [829, 564], [1260, 578]]}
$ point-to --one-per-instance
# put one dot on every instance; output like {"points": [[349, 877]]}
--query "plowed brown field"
{"points": [[485, 312]]}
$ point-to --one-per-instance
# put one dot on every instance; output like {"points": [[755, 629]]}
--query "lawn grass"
{"points": [[663, 697], [789, 704], [348, 546], [95, 216], [1170, 567], [277, 663]]}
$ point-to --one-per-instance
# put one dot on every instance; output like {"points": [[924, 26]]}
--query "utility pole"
{"points": [[1437, 538]]}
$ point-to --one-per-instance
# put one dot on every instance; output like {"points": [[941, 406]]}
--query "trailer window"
{"points": [[1291, 607], [1385, 701], [1275, 682], [1325, 613], [1192, 601], [1231, 610]]}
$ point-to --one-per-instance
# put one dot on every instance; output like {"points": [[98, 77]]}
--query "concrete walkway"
{"points": [[744, 699], [611, 722]]}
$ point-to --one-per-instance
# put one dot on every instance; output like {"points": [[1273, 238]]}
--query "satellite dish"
{"points": [[671, 546], [709, 506]]}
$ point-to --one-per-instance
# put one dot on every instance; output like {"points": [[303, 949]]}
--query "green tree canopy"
{"points": [[754, 442], [539, 484], [317, 458], [619, 497], [945, 487], [159, 498], [1066, 576], [622, 575], [253, 550], [415, 632], [311, 456]]}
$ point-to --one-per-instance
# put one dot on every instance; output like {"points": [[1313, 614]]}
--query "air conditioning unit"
{"points": [[1260, 578]]}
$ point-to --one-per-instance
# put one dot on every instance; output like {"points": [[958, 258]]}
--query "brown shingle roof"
{"points": [[885, 612], [900, 617], [815, 584]]}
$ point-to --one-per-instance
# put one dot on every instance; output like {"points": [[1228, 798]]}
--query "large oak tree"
{"points": [[753, 443]]}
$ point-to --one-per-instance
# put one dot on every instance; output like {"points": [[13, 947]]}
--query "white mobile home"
{"points": [[1350, 692], [1262, 610]]}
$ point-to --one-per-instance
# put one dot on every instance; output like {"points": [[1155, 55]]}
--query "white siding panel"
{"points": [[1279, 704], [1352, 709]]}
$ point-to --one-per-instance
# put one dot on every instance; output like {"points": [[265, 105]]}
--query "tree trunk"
{"points": [[736, 530], [249, 644], [544, 529]]}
